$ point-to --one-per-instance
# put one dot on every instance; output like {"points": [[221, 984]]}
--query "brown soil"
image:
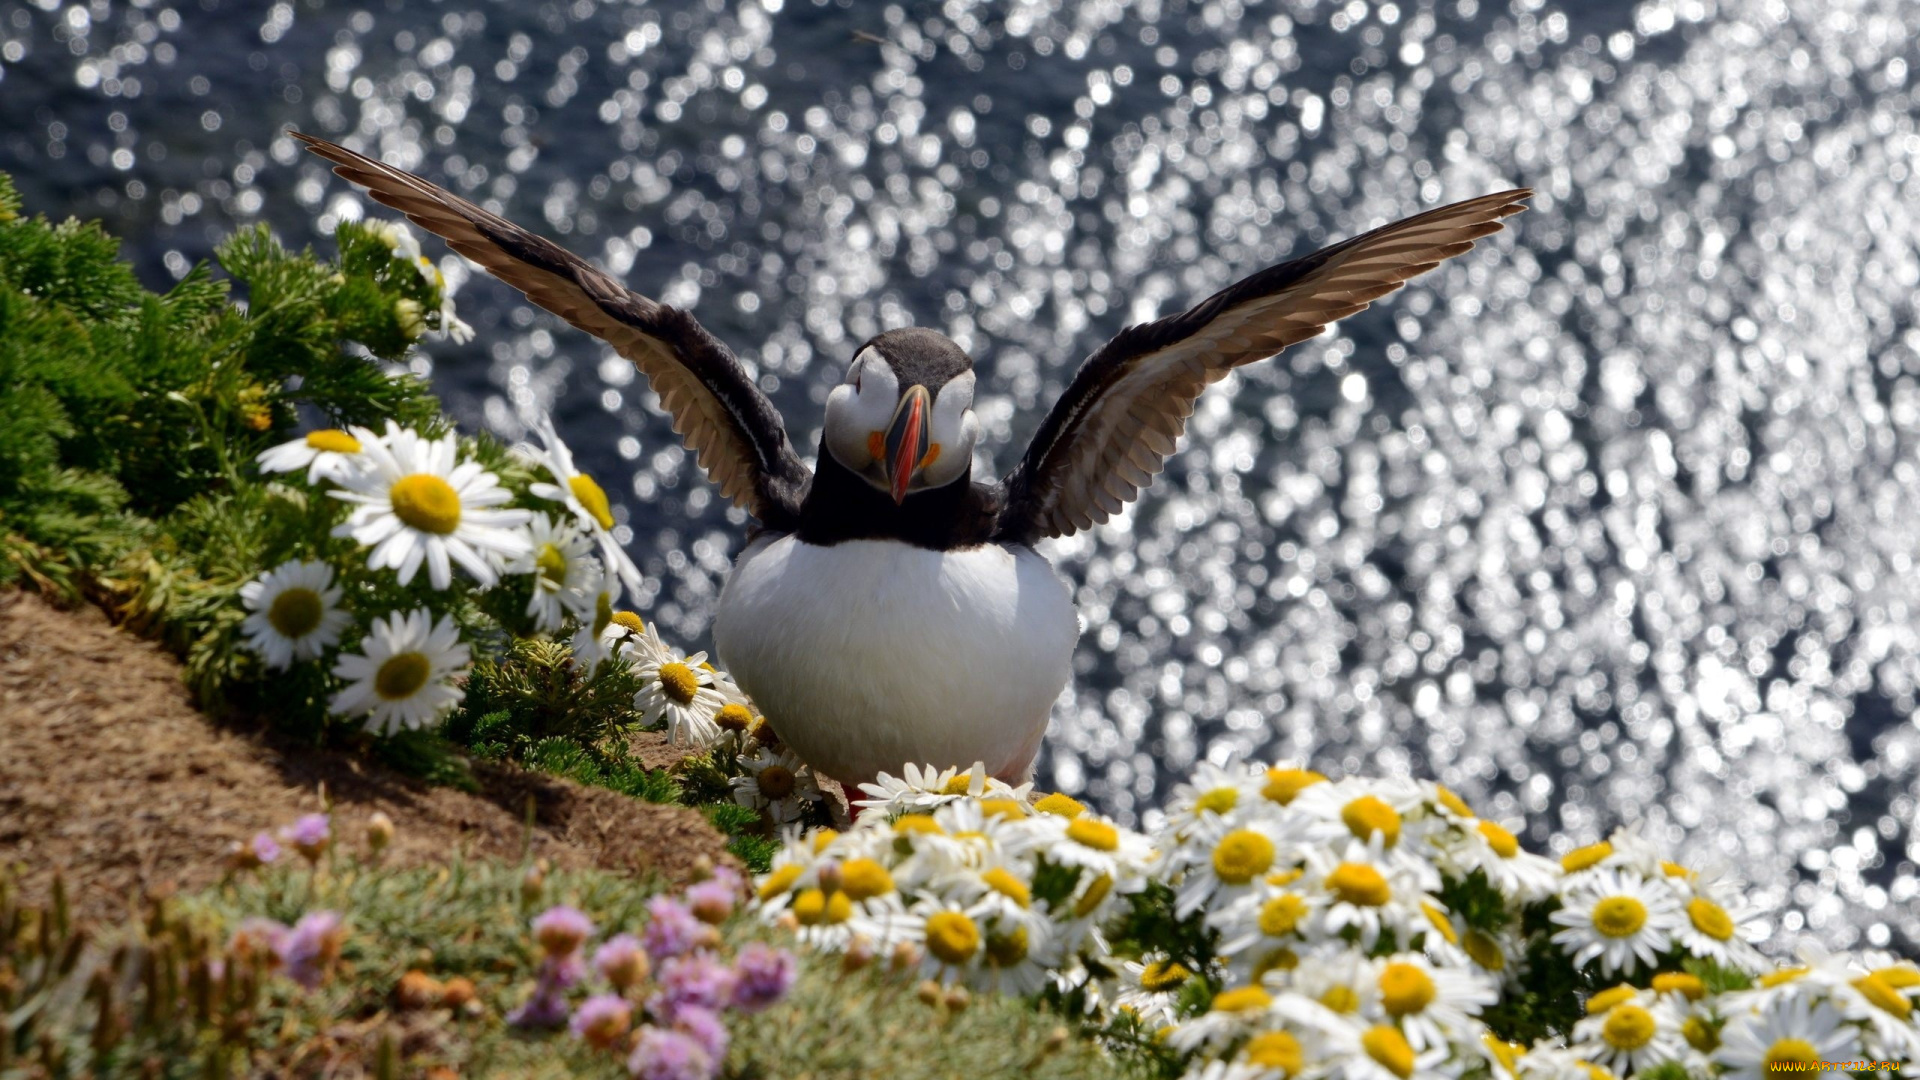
{"points": [[110, 776]]}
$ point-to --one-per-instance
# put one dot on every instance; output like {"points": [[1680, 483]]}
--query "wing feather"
{"points": [[1126, 408], [735, 433]]}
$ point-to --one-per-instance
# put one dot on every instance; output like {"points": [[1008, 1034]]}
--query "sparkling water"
{"points": [[1610, 520]]}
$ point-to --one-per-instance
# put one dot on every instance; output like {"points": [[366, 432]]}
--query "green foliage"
{"points": [[533, 691], [747, 834], [120, 407]]}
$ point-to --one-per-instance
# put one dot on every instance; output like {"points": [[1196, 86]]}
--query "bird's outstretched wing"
{"points": [[1120, 418], [734, 431]]}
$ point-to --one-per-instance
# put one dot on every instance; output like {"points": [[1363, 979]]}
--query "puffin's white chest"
{"points": [[870, 654]]}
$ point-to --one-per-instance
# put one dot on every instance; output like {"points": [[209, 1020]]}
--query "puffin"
{"points": [[890, 607]]}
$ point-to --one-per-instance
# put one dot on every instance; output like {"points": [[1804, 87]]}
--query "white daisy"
{"points": [[403, 675], [1212, 793], [1390, 813], [415, 502], [293, 613], [1361, 887], [605, 629], [585, 497], [1434, 1005], [922, 788], [1713, 931], [1637, 1031], [676, 690], [1792, 1028], [566, 580], [1237, 852], [1151, 989], [1090, 843], [396, 235], [1233, 1014], [778, 783], [1364, 1051], [1620, 918], [326, 454], [1489, 847]]}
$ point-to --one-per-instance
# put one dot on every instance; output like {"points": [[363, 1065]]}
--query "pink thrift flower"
{"points": [[622, 961], [311, 947], [602, 1020], [712, 901], [762, 976], [561, 930], [309, 836], [670, 1055], [671, 929], [697, 981], [704, 1027]]}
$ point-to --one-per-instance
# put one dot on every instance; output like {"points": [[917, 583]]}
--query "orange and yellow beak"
{"points": [[906, 444]]}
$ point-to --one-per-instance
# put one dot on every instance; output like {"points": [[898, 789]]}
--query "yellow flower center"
{"points": [[776, 782], [1619, 916], [1000, 880], [627, 620], [426, 502], [1274, 1050], [1781, 977], [679, 683], [1283, 784], [864, 879], [1097, 891], [1277, 960], [1097, 835], [1388, 1047], [1883, 997], [1500, 840], [917, 823], [401, 676], [952, 937], [779, 881], [1679, 982], [823, 839], [1359, 884], [1006, 808], [333, 441], [1064, 805], [1506, 1053], [296, 612], [1341, 998], [1405, 989], [1441, 924], [1628, 1027], [552, 563], [1241, 999], [959, 785], [591, 498], [1580, 858], [1674, 869], [734, 716], [1240, 856], [1286, 877], [1163, 975], [1451, 801], [1367, 815], [1484, 950], [1608, 998], [810, 907], [1899, 976], [1700, 1035], [1280, 915], [1710, 918], [1218, 801], [1006, 950], [1797, 1051]]}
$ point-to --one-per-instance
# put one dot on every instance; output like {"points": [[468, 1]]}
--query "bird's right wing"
{"points": [[1121, 417], [734, 431]]}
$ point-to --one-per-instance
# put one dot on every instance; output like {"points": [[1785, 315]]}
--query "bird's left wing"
{"points": [[1120, 418], [734, 431]]}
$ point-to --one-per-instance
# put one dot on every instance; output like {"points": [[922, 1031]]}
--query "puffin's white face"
{"points": [[900, 442]]}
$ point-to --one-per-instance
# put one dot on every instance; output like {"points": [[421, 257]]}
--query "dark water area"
{"points": [[1610, 520]]}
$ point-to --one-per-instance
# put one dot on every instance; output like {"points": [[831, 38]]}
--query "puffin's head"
{"points": [[903, 421]]}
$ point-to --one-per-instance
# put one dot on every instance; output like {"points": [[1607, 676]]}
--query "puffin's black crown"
{"points": [[919, 355]]}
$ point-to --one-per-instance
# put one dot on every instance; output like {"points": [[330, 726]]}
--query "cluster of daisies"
{"points": [[408, 502], [411, 315], [1302, 926]]}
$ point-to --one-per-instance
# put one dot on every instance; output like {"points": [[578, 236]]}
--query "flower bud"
{"points": [[457, 992], [418, 990], [379, 832], [958, 999], [928, 992]]}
